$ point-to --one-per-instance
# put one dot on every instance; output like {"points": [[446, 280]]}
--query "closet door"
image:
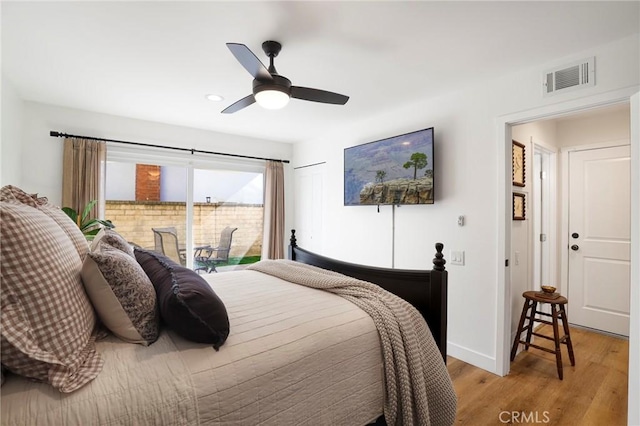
{"points": [[309, 206]]}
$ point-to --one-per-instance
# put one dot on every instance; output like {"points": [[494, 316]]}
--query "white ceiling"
{"points": [[157, 60]]}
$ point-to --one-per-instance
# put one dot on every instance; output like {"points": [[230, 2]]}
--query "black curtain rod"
{"points": [[175, 148]]}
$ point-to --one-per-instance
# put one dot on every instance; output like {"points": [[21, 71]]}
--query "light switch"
{"points": [[456, 257]]}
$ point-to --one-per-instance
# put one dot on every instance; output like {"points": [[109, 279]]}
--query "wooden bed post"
{"points": [[438, 301], [292, 244]]}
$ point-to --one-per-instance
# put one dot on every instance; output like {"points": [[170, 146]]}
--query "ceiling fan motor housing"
{"points": [[279, 83]]}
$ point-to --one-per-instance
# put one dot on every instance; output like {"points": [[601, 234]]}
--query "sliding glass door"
{"points": [[227, 217], [207, 215]]}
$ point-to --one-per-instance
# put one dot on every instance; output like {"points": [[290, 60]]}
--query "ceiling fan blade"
{"points": [[317, 95], [237, 106], [249, 61]]}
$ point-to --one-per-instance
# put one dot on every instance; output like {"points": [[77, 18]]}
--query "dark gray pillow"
{"points": [[188, 304]]}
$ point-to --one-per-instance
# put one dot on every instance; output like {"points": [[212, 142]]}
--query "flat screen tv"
{"points": [[396, 170]]}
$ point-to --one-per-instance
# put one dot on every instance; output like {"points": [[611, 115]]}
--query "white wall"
{"points": [[606, 126], [10, 138], [467, 183], [41, 162], [39, 147]]}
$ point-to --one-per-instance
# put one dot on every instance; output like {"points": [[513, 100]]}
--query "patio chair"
{"points": [[207, 261], [166, 242]]}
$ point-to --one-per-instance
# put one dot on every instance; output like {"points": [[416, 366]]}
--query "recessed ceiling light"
{"points": [[214, 98]]}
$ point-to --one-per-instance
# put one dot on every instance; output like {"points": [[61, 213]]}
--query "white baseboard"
{"points": [[472, 357]]}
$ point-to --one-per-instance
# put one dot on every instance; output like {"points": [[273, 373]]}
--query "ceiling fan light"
{"points": [[272, 98]]}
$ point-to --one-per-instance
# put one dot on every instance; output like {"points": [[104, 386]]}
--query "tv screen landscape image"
{"points": [[396, 170]]}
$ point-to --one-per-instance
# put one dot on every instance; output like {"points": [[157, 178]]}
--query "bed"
{"points": [[295, 355]]}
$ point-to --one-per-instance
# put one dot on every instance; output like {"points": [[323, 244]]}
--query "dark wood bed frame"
{"points": [[426, 290]]}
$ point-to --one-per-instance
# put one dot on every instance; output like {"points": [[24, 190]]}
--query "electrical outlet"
{"points": [[456, 257]]}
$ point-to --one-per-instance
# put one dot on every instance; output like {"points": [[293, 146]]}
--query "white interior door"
{"points": [[599, 238], [309, 206]]}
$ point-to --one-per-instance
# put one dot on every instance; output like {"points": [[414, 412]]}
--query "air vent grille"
{"points": [[570, 77]]}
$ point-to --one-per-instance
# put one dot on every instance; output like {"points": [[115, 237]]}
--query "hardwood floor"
{"points": [[594, 392]]}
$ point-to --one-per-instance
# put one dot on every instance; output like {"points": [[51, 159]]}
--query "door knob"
{"points": [[574, 247], [575, 235]]}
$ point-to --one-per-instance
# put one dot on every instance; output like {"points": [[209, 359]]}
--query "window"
{"points": [[198, 201]]}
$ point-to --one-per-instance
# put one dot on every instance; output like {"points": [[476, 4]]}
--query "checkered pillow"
{"points": [[47, 318], [13, 193]]}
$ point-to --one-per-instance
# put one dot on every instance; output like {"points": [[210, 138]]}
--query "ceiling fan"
{"points": [[270, 89]]}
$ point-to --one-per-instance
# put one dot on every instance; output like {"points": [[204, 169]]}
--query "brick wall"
{"points": [[147, 182], [134, 220]]}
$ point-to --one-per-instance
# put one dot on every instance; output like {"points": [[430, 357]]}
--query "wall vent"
{"points": [[577, 75]]}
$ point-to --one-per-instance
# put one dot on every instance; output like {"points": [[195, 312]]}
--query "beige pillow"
{"points": [[122, 294], [47, 318]]}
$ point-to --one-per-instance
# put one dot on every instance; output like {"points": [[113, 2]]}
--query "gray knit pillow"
{"points": [[116, 240], [122, 294]]}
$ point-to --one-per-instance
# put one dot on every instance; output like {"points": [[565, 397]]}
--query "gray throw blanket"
{"points": [[418, 387]]}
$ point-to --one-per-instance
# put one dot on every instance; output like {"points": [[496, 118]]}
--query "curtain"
{"points": [[273, 235], [83, 171]]}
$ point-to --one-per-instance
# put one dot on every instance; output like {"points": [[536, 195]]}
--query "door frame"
{"points": [[564, 221], [504, 188], [633, 417], [551, 200]]}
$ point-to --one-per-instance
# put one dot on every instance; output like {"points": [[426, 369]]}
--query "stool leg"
{"points": [[534, 309], [556, 338], [565, 325], [514, 349]]}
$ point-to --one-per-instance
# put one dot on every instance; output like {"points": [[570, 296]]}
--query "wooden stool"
{"points": [[529, 311]]}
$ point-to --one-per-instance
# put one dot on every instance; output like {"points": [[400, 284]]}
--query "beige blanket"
{"points": [[418, 386]]}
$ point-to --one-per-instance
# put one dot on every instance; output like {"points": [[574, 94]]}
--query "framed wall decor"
{"points": [[519, 206], [517, 158]]}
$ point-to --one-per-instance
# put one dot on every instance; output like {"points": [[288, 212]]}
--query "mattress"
{"points": [[295, 356]]}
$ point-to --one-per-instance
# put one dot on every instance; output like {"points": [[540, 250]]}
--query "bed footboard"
{"points": [[426, 290]]}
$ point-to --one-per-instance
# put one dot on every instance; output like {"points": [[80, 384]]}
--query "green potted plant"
{"points": [[89, 227]]}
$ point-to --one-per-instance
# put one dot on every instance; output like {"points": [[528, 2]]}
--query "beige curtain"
{"points": [[273, 235], [83, 174]]}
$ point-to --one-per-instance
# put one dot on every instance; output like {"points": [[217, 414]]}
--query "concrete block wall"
{"points": [[134, 220]]}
